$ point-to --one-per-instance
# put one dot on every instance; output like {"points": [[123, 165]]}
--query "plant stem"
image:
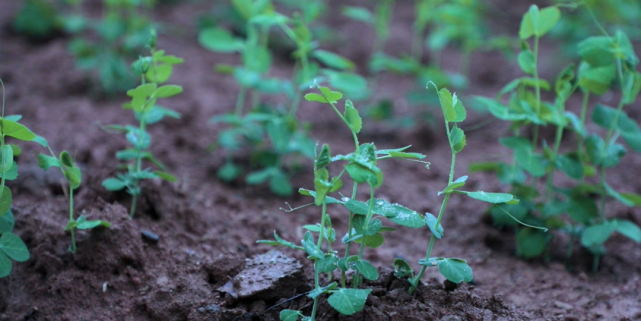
{"points": [[584, 111], [73, 230], [240, 101], [607, 140], [537, 106], [417, 279], [349, 233]]}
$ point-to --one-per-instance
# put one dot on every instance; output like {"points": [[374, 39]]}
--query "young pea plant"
{"points": [[272, 133], [11, 246], [154, 70], [453, 269], [73, 175], [604, 59], [122, 31], [365, 229]]}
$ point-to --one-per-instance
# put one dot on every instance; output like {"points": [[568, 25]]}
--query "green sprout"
{"points": [[72, 174], [153, 70]]}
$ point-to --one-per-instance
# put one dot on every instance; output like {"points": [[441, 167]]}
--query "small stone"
{"points": [[270, 276], [150, 236], [562, 305]]}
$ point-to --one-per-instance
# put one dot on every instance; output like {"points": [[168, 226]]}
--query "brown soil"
{"points": [[206, 230]]}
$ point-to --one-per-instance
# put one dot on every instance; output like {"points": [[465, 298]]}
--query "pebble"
{"points": [[150, 236]]}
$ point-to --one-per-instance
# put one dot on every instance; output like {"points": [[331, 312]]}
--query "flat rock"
{"points": [[270, 276]]}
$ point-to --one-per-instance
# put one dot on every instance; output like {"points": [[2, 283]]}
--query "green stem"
{"points": [[609, 136], [537, 106], [71, 219], [418, 277], [349, 233], [584, 111], [240, 101]]}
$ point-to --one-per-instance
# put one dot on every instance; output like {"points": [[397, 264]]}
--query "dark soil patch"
{"points": [[191, 238]]}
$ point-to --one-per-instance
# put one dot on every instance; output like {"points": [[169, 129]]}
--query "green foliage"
{"points": [[38, 20], [121, 32], [72, 174], [453, 269], [366, 230], [153, 70], [605, 60], [273, 135], [11, 246]]}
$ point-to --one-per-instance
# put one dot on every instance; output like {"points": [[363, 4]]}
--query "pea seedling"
{"points": [[122, 31], [11, 246], [364, 228], [604, 59], [454, 269], [73, 176], [154, 70], [271, 133]]}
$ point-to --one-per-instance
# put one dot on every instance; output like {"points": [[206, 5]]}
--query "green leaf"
{"points": [[113, 184], [402, 269], [363, 174], [531, 242], [280, 241], [372, 241], [596, 235], [168, 91], [494, 198], [289, 315], [356, 206], [142, 91], [348, 301], [326, 264], [314, 97], [16, 130], [583, 209], [366, 269], [596, 80], [165, 176], [310, 247], [219, 40], [5, 265], [453, 109], [359, 13], [538, 23], [324, 158], [594, 146], [454, 185], [259, 176], [12, 173], [329, 200], [41, 141], [629, 229], [398, 214], [331, 95], [455, 270], [13, 247], [457, 139], [354, 121], [73, 176], [7, 221], [229, 172], [572, 167], [333, 60], [526, 62], [280, 185], [5, 200], [430, 221], [7, 158], [532, 162], [597, 51], [83, 224], [610, 191]]}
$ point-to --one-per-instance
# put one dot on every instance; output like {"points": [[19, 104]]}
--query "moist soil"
{"points": [[182, 257]]}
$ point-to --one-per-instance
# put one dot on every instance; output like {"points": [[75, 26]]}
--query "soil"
{"points": [[180, 258]]}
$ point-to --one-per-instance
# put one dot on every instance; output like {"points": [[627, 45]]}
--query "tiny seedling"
{"points": [[11, 246], [153, 70], [73, 176]]}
